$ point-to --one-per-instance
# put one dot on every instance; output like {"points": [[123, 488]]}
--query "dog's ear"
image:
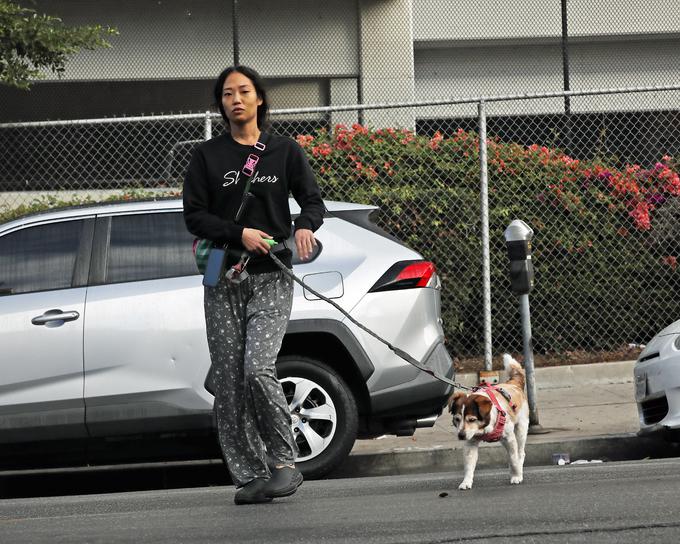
{"points": [[453, 400], [484, 407]]}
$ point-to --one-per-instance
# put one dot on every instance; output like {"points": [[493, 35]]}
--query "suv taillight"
{"points": [[406, 275]]}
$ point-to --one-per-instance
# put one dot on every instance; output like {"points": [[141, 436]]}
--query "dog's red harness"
{"points": [[497, 433]]}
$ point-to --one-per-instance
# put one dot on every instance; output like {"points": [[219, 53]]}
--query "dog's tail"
{"points": [[514, 370]]}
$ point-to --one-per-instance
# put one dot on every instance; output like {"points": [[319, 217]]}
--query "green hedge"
{"points": [[603, 277]]}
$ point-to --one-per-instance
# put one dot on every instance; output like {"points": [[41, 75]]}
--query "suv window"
{"points": [[149, 246], [39, 258]]}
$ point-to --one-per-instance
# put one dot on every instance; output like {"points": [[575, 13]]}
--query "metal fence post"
{"points": [[236, 41], [486, 266], [207, 131]]}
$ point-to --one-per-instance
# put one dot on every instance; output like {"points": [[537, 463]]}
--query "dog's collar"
{"points": [[496, 434]]}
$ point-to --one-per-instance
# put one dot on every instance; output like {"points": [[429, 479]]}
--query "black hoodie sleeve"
{"points": [[305, 190], [197, 214]]}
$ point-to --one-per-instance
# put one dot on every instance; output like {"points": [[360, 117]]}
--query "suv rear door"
{"points": [[146, 354], [43, 273]]}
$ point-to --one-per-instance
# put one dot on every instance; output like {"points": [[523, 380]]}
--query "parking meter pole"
{"points": [[486, 258], [518, 238], [528, 360]]}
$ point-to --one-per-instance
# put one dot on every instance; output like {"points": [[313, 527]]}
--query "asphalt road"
{"points": [[603, 503]]}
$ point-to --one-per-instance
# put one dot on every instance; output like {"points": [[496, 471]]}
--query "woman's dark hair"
{"points": [[252, 75]]}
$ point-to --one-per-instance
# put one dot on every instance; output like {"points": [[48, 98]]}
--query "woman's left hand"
{"points": [[305, 243]]}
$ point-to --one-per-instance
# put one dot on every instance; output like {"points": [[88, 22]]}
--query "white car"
{"points": [[657, 384], [103, 345]]}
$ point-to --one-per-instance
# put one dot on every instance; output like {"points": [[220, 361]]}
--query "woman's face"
{"points": [[239, 99]]}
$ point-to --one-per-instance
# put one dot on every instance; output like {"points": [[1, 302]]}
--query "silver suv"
{"points": [[103, 350]]}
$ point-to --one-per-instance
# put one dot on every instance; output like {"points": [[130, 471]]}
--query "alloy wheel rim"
{"points": [[313, 416]]}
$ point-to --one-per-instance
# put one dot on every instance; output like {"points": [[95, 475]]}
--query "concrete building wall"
{"points": [[161, 39], [187, 39], [458, 72], [445, 21], [387, 62]]}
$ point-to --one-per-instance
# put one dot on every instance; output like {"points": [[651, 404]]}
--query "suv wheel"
{"points": [[323, 411]]}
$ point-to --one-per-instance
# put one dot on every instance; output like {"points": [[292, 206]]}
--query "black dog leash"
{"points": [[399, 352]]}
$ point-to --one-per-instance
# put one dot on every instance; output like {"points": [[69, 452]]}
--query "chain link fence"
{"points": [[599, 187]]}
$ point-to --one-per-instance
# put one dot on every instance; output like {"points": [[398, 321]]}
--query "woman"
{"points": [[246, 321]]}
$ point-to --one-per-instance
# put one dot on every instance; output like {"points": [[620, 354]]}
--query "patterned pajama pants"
{"points": [[245, 323]]}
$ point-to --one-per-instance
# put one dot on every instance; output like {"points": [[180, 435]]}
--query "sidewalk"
{"points": [[588, 411]]}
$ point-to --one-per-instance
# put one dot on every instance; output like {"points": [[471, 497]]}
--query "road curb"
{"points": [[621, 447]]}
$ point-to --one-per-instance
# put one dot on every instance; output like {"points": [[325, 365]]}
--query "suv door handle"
{"points": [[55, 315]]}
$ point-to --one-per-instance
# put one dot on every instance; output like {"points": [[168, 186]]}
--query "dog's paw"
{"points": [[465, 485], [516, 480]]}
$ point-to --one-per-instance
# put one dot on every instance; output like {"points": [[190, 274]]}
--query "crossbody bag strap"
{"points": [[252, 160], [249, 170]]}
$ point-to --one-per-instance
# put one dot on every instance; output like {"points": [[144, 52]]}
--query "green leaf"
{"points": [[31, 44]]}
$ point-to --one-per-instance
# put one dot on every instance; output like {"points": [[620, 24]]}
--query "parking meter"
{"points": [[518, 237]]}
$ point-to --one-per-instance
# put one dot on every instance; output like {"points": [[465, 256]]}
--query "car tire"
{"points": [[322, 395]]}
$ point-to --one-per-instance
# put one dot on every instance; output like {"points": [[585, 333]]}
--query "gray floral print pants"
{"points": [[245, 323]]}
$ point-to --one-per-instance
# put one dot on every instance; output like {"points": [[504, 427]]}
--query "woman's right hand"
{"points": [[252, 240]]}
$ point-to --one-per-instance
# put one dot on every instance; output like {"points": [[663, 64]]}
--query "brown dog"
{"points": [[491, 414]]}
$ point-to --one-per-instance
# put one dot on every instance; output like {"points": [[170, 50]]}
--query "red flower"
{"points": [[434, 141], [640, 215], [304, 140], [322, 150], [671, 261]]}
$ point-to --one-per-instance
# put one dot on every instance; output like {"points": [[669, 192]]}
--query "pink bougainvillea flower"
{"points": [[671, 261], [304, 140], [322, 150], [434, 141], [640, 214]]}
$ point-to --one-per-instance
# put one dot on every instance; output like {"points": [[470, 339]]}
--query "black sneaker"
{"points": [[284, 482], [252, 492]]}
